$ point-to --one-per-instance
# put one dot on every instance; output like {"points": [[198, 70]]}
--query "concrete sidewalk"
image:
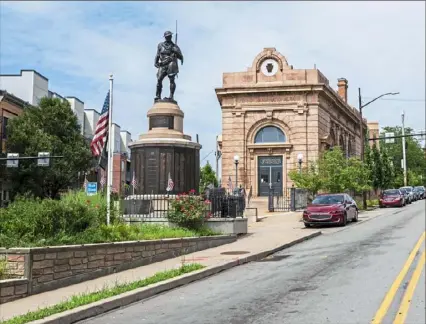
{"points": [[272, 232]]}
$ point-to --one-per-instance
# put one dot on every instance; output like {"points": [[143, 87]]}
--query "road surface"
{"points": [[340, 277]]}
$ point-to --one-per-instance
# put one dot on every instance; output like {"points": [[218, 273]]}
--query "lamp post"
{"points": [[404, 159], [236, 160], [300, 161], [361, 127]]}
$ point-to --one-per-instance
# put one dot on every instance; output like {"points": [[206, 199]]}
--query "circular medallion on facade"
{"points": [[269, 67]]}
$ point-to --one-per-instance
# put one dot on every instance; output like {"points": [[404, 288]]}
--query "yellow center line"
{"points": [[387, 301], [406, 300]]}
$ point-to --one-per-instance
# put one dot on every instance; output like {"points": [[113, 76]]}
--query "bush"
{"points": [[37, 221], [188, 211], [78, 219]]}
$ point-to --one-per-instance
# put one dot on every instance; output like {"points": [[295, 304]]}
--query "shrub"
{"points": [[37, 221], [188, 211]]}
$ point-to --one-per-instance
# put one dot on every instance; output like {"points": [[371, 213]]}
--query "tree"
{"points": [[207, 176], [51, 127], [416, 162], [308, 179], [377, 169], [388, 175], [334, 173]]}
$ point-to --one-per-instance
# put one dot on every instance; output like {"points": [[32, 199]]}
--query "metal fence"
{"points": [[148, 206], [291, 199]]}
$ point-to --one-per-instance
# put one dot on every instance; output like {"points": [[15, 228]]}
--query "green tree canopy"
{"points": [[207, 176], [333, 173], [377, 168], [51, 127], [416, 162]]}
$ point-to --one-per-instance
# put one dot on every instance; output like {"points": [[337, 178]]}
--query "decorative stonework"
{"points": [[297, 101]]}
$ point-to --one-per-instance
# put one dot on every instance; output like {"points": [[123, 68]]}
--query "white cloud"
{"points": [[378, 46]]}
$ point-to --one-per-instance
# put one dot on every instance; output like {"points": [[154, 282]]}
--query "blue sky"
{"points": [[378, 46]]}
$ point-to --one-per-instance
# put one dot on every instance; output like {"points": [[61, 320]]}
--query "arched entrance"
{"points": [[270, 168]]}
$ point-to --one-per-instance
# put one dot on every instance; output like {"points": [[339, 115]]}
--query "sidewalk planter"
{"points": [[54, 267], [235, 226]]}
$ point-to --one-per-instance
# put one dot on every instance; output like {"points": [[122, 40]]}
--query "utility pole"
{"points": [[361, 127], [404, 158]]}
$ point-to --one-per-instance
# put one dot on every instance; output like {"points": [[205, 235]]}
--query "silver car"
{"points": [[410, 191]]}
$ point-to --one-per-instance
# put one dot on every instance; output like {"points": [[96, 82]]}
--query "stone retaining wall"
{"points": [[55, 267], [15, 265], [13, 289]]}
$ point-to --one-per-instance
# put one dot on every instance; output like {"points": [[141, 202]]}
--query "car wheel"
{"points": [[355, 219], [307, 225], [344, 220]]}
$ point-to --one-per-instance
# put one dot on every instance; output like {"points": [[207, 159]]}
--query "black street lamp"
{"points": [[361, 106], [300, 161], [236, 159]]}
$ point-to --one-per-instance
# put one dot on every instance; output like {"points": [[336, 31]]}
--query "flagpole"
{"points": [[110, 159]]}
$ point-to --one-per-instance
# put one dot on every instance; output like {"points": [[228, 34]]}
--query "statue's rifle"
{"points": [[176, 35]]}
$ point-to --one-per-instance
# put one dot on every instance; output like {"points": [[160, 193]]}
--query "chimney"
{"points": [[342, 89]]}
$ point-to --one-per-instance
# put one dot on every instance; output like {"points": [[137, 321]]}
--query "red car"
{"points": [[392, 198], [331, 209]]}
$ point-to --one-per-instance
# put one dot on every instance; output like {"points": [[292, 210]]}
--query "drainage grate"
{"points": [[235, 252], [274, 258]]}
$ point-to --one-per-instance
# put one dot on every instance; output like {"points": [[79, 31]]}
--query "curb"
{"points": [[108, 304]]}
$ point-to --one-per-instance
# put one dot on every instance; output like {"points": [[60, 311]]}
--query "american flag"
{"points": [[134, 182], [170, 184], [230, 186], [101, 133]]}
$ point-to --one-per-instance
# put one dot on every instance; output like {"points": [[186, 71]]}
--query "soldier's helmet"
{"points": [[168, 33]]}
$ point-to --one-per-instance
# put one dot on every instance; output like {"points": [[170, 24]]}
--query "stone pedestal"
{"points": [[165, 149]]}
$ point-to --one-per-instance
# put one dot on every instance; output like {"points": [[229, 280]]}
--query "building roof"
{"points": [[27, 70], [4, 95]]}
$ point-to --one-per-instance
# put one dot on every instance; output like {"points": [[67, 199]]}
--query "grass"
{"points": [[118, 232], [85, 299]]}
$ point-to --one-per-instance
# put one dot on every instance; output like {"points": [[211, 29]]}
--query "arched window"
{"points": [[270, 134]]}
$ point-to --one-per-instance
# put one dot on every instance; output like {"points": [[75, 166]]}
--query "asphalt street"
{"points": [[339, 277]]}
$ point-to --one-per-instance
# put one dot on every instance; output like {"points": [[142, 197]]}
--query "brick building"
{"points": [[272, 114], [10, 107]]}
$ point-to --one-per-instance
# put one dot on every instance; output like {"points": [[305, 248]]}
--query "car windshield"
{"points": [[328, 200], [391, 192], [403, 191], [408, 189]]}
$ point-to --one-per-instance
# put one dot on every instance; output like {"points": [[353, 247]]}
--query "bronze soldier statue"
{"points": [[166, 61]]}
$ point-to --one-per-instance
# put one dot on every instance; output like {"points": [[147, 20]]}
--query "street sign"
{"points": [[91, 188], [43, 160], [389, 140], [12, 163]]}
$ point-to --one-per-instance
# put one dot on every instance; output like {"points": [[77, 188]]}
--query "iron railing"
{"points": [[291, 199], [148, 206]]}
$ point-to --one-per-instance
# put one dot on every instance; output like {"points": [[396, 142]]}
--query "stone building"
{"points": [[273, 115]]}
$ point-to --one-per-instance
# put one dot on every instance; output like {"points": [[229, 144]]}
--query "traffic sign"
{"points": [[389, 140], [91, 188], [12, 163], [43, 160]]}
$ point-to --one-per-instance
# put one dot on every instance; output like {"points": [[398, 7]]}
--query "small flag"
{"points": [[85, 183], [103, 179], [230, 186], [134, 182], [170, 184]]}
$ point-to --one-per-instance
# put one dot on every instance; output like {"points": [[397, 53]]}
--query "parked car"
{"points": [[331, 209], [392, 198], [407, 196], [410, 192], [421, 192]]}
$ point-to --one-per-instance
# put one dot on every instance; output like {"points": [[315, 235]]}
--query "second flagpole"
{"points": [[110, 149]]}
